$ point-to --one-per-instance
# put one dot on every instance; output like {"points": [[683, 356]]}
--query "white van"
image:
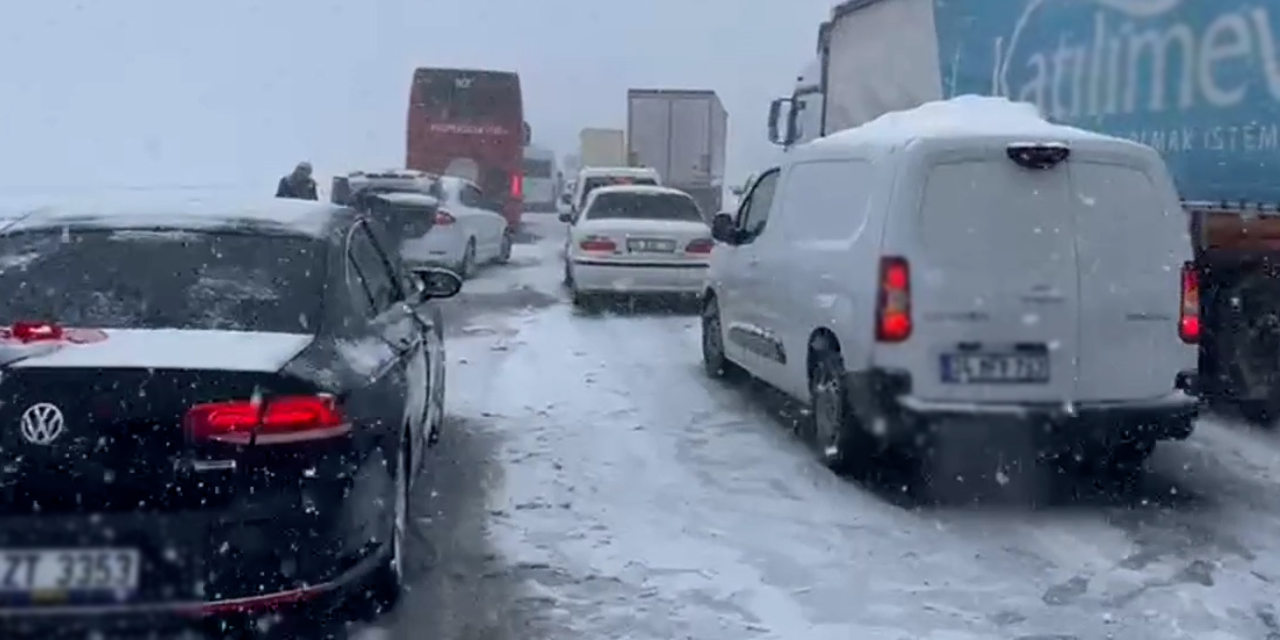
{"points": [[963, 259], [590, 178]]}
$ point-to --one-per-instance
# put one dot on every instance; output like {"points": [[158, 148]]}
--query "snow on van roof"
{"points": [[275, 215], [966, 116]]}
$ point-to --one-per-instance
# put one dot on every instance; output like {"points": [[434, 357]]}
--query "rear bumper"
{"points": [[886, 394], [289, 548], [597, 276], [440, 247]]}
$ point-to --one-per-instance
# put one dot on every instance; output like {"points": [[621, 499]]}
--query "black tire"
{"points": [[831, 429], [504, 250], [714, 361], [468, 265], [436, 428], [1261, 413], [385, 584], [1126, 460], [583, 301]]}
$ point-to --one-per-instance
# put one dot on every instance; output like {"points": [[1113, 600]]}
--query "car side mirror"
{"points": [[566, 218], [436, 283], [723, 229]]}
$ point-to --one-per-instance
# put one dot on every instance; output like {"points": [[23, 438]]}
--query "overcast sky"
{"points": [[141, 92]]}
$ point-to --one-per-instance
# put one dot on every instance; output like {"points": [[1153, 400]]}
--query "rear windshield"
{"points": [[147, 279], [595, 182], [644, 206], [535, 168], [972, 207], [469, 95]]}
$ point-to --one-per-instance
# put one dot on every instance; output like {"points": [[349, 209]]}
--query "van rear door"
{"points": [[1133, 242], [994, 290]]}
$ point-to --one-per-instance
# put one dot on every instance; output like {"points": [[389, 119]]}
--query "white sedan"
{"points": [[636, 240], [468, 231]]}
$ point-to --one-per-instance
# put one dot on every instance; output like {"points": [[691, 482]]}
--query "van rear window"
{"points": [[991, 214]]}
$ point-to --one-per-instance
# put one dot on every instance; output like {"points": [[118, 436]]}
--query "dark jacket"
{"points": [[289, 188]]}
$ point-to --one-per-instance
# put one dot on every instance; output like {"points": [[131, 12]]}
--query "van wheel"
{"points": [[832, 429], [714, 360]]}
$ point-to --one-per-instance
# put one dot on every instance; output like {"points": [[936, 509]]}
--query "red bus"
{"points": [[470, 123]]}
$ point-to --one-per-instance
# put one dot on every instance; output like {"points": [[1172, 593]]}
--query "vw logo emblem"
{"points": [[42, 423]]}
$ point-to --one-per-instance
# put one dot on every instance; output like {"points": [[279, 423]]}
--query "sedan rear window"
{"points": [[151, 279], [595, 182], [644, 206]]}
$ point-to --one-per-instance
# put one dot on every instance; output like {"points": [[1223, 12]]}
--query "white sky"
{"points": [[159, 92]]}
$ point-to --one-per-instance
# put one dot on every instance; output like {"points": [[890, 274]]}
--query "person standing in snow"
{"points": [[298, 185]]}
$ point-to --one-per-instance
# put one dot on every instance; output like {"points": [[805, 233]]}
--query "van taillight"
{"points": [[1189, 312], [278, 420], [893, 306], [517, 186]]}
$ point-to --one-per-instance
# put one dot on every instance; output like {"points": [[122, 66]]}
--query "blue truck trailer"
{"points": [[1198, 80]]}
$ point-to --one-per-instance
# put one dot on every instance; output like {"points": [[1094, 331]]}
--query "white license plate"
{"points": [[68, 570], [986, 368], [651, 246]]}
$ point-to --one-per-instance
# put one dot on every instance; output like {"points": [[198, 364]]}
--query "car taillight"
{"points": [[893, 307], [1189, 313], [277, 420], [598, 243], [701, 245], [517, 186], [445, 218], [34, 331]]}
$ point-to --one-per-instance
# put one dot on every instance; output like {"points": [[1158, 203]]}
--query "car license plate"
{"points": [[68, 570], [648, 245], [988, 368]]}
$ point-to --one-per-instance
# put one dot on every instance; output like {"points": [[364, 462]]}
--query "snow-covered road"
{"points": [[626, 496]]}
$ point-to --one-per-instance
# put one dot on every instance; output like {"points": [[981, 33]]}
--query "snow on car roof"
{"points": [[591, 172], [967, 116], [408, 198], [275, 215], [646, 189]]}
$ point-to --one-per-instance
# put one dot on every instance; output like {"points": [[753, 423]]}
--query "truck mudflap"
{"points": [[1238, 256]]}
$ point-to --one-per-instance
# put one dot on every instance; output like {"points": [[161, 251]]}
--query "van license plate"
{"points": [[997, 368], [36, 571]]}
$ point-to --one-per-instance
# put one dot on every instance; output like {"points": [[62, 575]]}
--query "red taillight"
{"points": [[597, 243], [34, 331], [893, 308], [444, 217], [268, 421], [517, 186], [701, 245], [1189, 312]]}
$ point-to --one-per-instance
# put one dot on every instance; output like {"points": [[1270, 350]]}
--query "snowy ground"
{"points": [[594, 484]]}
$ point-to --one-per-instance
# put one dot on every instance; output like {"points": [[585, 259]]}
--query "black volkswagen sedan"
{"points": [[209, 413]]}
